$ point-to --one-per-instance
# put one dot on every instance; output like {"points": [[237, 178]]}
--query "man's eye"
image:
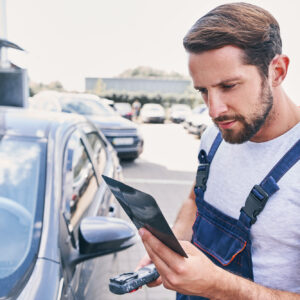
{"points": [[203, 91], [228, 86]]}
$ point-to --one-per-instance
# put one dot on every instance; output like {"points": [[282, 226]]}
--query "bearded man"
{"points": [[240, 226]]}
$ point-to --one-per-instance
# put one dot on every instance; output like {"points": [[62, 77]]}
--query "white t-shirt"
{"points": [[275, 236]]}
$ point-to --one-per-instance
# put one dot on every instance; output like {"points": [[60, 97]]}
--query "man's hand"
{"points": [[197, 275], [194, 275], [182, 229], [144, 262]]}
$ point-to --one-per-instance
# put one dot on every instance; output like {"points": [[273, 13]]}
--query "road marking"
{"points": [[158, 181]]}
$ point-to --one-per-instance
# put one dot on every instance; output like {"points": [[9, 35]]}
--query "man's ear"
{"points": [[278, 69]]}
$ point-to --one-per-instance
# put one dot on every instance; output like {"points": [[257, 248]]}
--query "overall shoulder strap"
{"points": [[204, 162], [203, 157], [261, 193]]}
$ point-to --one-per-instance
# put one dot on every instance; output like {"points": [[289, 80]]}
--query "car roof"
{"points": [[83, 96], [122, 104], [149, 105], [33, 123], [50, 94]]}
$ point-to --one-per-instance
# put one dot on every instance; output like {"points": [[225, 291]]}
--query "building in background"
{"points": [[160, 86]]}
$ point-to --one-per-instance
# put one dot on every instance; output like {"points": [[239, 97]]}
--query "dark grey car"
{"points": [[57, 216], [123, 134]]}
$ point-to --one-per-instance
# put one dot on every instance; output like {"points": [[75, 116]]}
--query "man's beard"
{"points": [[252, 123]]}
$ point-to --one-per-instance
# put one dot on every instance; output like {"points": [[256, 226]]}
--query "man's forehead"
{"points": [[216, 66], [225, 54]]}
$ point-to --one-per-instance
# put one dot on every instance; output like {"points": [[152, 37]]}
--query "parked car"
{"points": [[199, 123], [199, 109], [56, 213], [179, 112], [109, 102], [152, 112], [124, 109], [123, 134]]}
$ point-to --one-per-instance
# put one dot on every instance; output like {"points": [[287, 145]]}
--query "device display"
{"points": [[143, 210]]}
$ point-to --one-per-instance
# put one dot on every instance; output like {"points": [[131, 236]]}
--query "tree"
{"points": [[34, 87], [100, 87], [148, 72]]}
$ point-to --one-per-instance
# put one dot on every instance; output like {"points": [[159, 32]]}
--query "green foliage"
{"points": [[192, 99], [34, 87], [148, 72]]}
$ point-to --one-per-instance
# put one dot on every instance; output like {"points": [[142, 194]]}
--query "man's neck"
{"points": [[283, 116]]}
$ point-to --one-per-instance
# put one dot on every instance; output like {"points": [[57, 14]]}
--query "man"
{"points": [[246, 236]]}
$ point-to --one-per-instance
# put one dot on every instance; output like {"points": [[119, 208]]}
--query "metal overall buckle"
{"points": [[255, 202], [202, 176]]}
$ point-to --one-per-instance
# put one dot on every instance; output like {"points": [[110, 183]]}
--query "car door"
{"points": [[85, 159], [104, 161], [79, 189]]}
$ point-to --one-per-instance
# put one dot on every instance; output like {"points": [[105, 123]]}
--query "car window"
{"points": [[44, 102], [80, 184], [152, 107], [85, 107], [99, 153], [22, 180]]}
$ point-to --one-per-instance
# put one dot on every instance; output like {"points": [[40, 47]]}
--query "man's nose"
{"points": [[216, 105]]}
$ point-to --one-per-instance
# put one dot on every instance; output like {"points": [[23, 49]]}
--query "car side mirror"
{"points": [[100, 236]]}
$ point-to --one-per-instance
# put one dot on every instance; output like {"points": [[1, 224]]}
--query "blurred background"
{"points": [[68, 41]]}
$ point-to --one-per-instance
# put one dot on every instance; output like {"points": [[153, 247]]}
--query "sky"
{"points": [[68, 40]]}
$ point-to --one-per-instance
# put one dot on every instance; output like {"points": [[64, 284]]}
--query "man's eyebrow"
{"points": [[223, 82]]}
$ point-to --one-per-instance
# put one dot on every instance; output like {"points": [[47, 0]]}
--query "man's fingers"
{"points": [[156, 282], [159, 252], [159, 263], [143, 262]]}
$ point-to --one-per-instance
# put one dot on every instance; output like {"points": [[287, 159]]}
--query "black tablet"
{"points": [[143, 210]]}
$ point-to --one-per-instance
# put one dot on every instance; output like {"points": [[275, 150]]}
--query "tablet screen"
{"points": [[143, 211]]}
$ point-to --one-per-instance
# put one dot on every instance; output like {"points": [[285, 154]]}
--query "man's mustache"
{"points": [[229, 118]]}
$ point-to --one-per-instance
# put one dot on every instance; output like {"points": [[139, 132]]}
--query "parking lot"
{"points": [[166, 171]]}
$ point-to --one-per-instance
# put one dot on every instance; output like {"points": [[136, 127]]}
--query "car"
{"points": [[123, 134], [109, 102], [199, 109], [124, 109], [152, 112], [199, 122], [59, 224], [179, 112]]}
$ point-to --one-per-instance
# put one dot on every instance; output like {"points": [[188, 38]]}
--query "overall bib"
{"points": [[225, 240]]}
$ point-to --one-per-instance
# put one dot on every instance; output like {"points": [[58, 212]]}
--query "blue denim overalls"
{"points": [[225, 240]]}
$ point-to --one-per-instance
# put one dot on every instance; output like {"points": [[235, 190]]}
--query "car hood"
{"points": [[110, 122]]}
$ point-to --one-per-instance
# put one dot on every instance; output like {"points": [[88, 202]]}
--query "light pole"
{"points": [[4, 63], [13, 80]]}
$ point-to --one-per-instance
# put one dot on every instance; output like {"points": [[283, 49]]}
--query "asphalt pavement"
{"points": [[166, 170]]}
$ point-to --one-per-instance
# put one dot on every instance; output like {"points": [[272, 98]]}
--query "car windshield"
{"points": [[153, 108], [86, 107], [21, 185]]}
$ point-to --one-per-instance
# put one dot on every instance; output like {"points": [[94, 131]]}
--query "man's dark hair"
{"points": [[244, 25]]}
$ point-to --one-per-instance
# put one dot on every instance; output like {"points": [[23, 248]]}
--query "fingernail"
{"points": [[141, 232]]}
